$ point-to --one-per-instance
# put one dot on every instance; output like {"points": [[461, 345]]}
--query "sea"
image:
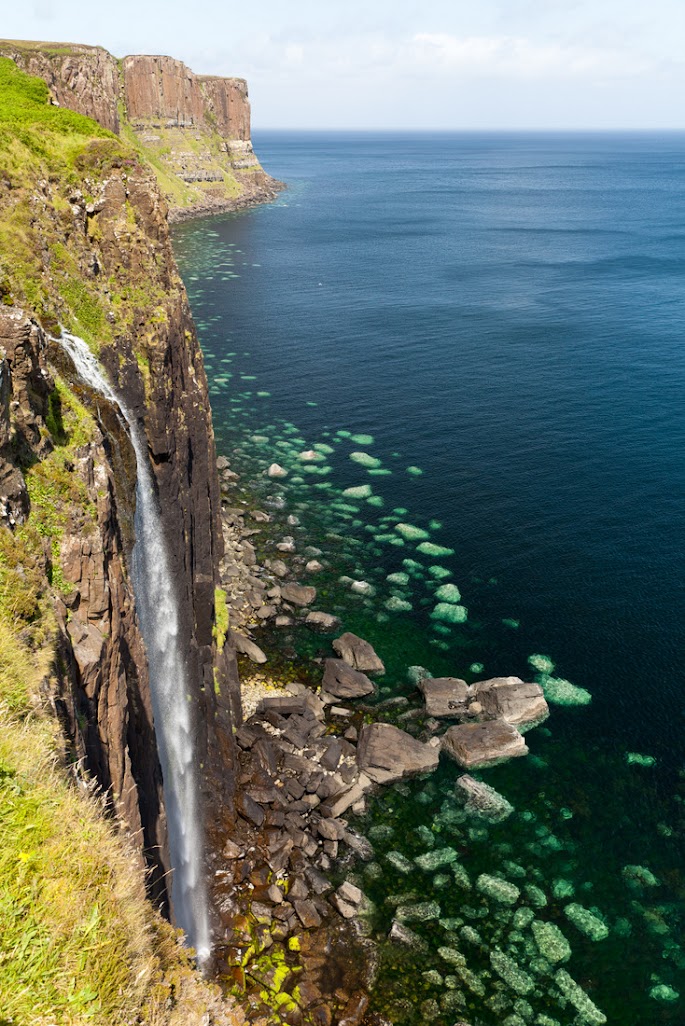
{"points": [[477, 341]]}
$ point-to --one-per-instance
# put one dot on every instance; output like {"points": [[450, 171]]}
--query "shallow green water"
{"points": [[601, 790]]}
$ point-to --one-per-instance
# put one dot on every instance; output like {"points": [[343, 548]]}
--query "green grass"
{"points": [[79, 944], [220, 629]]}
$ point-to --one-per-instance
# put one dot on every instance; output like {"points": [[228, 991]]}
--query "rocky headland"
{"points": [[192, 130]]}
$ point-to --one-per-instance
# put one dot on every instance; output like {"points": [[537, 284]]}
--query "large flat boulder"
{"points": [[473, 745], [511, 699], [341, 681], [386, 753], [298, 594], [445, 696], [358, 654]]}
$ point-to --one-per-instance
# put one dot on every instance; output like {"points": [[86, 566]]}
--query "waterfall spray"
{"points": [[158, 613]]}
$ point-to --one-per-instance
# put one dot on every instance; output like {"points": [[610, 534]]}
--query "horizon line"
{"points": [[680, 130]]}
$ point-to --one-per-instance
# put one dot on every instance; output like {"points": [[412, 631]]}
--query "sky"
{"points": [[406, 64]]}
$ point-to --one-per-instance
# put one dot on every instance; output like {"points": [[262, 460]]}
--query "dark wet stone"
{"points": [[331, 829], [317, 881], [249, 809], [307, 914], [386, 753], [309, 993], [359, 654], [294, 788], [359, 845], [286, 705], [328, 787], [342, 681]]}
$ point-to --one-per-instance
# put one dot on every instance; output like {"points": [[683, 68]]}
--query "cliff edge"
{"points": [[193, 130]]}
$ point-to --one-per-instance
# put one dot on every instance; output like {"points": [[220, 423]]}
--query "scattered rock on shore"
{"points": [[386, 753], [341, 681], [359, 654]]}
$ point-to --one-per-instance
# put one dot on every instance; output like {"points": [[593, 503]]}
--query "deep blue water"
{"points": [[505, 313]]}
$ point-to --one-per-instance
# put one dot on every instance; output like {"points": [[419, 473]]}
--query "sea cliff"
{"points": [[84, 246], [192, 130]]}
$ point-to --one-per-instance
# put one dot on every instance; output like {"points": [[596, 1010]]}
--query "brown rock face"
{"points": [[164, 89], [82, 78], [227, 106]]}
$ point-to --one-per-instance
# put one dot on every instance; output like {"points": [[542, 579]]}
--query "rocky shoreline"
{"points": [[259, 188], [295, 938]]}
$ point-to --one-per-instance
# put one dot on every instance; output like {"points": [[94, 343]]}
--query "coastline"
{"points": [[265, 192]]}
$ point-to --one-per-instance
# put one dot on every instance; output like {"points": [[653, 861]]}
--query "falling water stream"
{"points": [[158, 613]]}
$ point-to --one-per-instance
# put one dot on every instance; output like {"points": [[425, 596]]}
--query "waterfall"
{"points": [[158, 613]]}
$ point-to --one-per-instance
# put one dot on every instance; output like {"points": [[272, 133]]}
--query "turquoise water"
{"points": [[496, 323]]}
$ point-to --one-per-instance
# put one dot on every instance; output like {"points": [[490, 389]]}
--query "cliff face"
{"points": [[195, 130], [97, 258], [164, 89], [82, 78]]}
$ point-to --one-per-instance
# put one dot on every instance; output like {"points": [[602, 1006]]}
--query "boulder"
{"points": [[483, 744], [510, 699], [298, 594], [324, 623], [359, 654], [341, 681], [386, 753], [246, 647], [275, 470], [445, 696]]}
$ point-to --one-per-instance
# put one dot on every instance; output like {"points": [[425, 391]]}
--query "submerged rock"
{"points": [[482, 800], [483, 744], [386, 753], [445, 696], [358, 654], [587, 922], [276, 470]]}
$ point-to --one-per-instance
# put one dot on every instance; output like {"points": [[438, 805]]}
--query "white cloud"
{"points": [[518, 56], [436, 54]]}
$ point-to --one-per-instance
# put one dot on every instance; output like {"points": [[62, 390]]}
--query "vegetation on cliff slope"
{"points": [[78, 941]]}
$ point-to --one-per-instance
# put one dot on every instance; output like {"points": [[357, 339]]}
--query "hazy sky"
{"points": [[406, 63]]}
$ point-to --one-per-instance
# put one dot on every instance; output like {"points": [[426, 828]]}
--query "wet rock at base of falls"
{"points": [[359, 654], [386, 753], [323, 623], [298, 594], [248, 648], [445, 696], [473, 745], [511, 699], [341, 681]]}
